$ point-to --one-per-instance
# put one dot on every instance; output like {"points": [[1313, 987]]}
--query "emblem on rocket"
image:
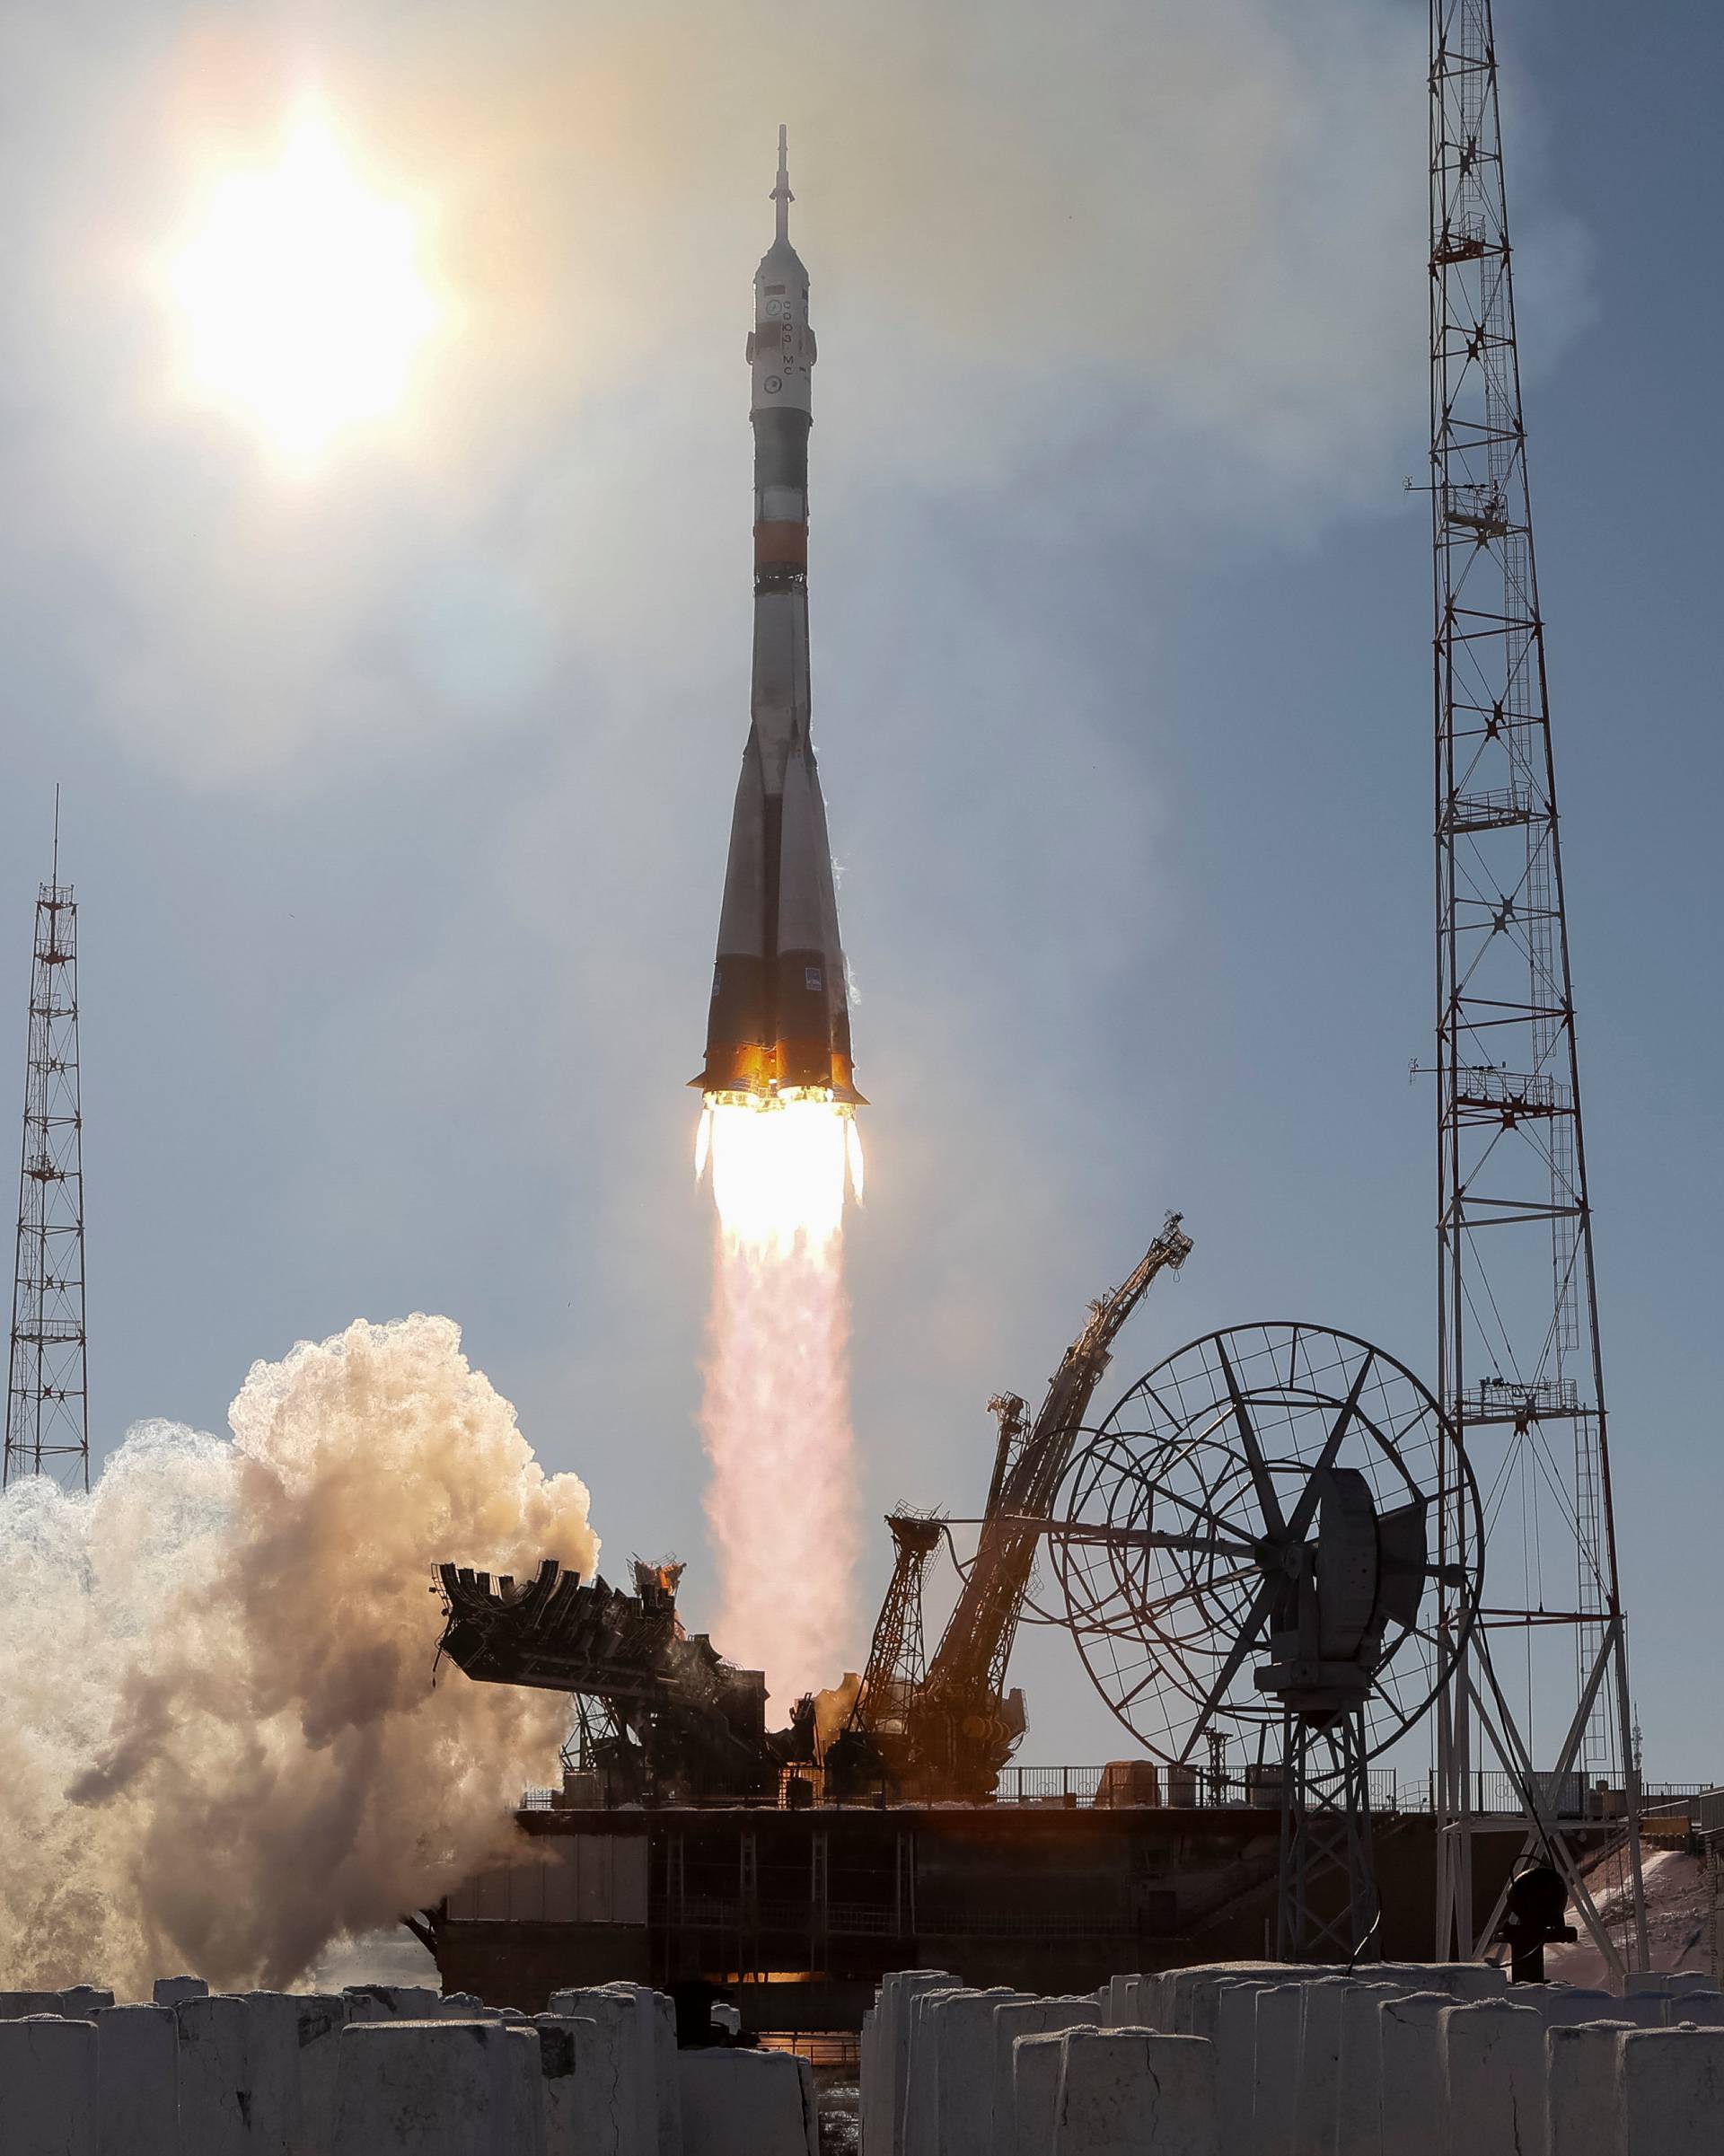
{"points": [[779, 1025]]}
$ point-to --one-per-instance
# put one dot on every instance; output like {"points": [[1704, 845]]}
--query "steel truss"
{"points": [[48, 1414], [1325, 1843], [1520, 1376]]}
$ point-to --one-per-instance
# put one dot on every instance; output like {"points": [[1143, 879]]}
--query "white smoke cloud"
{"points": [[219, 1736]]}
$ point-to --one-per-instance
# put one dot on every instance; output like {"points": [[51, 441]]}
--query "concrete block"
{"points": [[965, 2088], [319, 2016], [294, 2053], [639, 2045], [78, 2001], [215, 2075], [1464, 1981], [1410, 2040], [640, 2041], [886, 2116], [272, 2027], [1016, 2017], [922, 2071], [1666, 1981], [1128, 2092], [464, 2006], [523, 2092], [138, 2053], [660, 2106], [1204, 2012], [1317, 2085], [571, 2060], [424, 2088], [15, 2005], [1690, 2010], [1037, 2065], [1122, 1997], [392, 2002], [1671, 2084], [670, 2081], [1493, 2079], [1564, 2005], [169, 1991], [1583, 2109], [747, 2103], [1275, 2066], [48, 2079], [627, 2123], [1358, 2070], [1180, 1989], [1236, 2059]]}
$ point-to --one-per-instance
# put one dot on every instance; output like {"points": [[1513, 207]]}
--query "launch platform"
{"points": [[799, 1913]]}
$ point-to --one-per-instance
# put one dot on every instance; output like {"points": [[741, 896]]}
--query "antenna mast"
{"points": [[48, 1414], [1538, 1706]]}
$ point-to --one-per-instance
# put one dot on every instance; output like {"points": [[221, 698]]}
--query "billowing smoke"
{"points": [[781, 1504], [220, 1740]]}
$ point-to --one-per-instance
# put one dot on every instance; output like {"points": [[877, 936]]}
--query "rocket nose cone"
{"points": [[779, 264]]}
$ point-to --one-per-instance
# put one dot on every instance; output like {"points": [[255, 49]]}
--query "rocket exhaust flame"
{"points": [[778, 1126], [782, 1500], [778, 1169]]}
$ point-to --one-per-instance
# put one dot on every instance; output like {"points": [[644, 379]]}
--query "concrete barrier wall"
{"points": [[1440, 2059], [369, 2071], [1225, 2058]]}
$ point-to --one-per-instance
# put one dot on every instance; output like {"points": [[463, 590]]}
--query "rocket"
{"points": [[779, 1022]]}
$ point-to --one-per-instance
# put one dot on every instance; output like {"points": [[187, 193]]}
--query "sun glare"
{"points": [[304, 294]]}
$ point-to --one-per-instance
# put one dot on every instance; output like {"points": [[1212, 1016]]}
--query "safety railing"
{"points": [[1135, 1784]]}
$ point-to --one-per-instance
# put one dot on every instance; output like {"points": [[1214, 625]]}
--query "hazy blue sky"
{"points": [[396, 797]]}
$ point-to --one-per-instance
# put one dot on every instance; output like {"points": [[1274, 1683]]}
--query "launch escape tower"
{"points": [[1546, 1677], [48, 1416]]}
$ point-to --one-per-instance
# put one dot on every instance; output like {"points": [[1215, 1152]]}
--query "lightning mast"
{"points": [[1539, 1704], [47, 1415]]}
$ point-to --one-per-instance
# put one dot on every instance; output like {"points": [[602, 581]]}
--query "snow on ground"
{"points": [[1678, 1918]]}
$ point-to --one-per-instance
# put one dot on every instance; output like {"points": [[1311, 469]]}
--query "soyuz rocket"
{"points": [[779, 1025]]}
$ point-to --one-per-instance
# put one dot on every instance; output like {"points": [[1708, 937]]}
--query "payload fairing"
{"points": [[779, 1025]]}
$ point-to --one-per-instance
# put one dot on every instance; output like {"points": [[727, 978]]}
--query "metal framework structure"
{"points": [[896, 1661], [1545, 1679], [1326, 1830], [1244, 1547], [958, 1726], [48, 1410]]}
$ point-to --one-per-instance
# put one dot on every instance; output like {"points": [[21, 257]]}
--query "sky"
{"points": [[396, 780]]}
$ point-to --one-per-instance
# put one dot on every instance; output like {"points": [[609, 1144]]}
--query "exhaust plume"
{"points": [[781, 1504], [220, 1741]]}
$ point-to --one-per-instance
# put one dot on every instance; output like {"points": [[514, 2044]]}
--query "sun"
{"points": [[305, 293]]}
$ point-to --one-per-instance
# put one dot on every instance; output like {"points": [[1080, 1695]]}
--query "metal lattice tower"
{"points": [[1542, 1697], [48, 1416], [896, 1660]]}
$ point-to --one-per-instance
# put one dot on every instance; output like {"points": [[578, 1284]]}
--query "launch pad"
{"points": [[800, 1912]]}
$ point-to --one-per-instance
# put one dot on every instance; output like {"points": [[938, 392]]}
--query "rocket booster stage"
{"points": [[780, 1022]]}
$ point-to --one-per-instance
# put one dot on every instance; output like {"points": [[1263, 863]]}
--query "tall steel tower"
{"points": [[1539, 1707], [47, 1415]]}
